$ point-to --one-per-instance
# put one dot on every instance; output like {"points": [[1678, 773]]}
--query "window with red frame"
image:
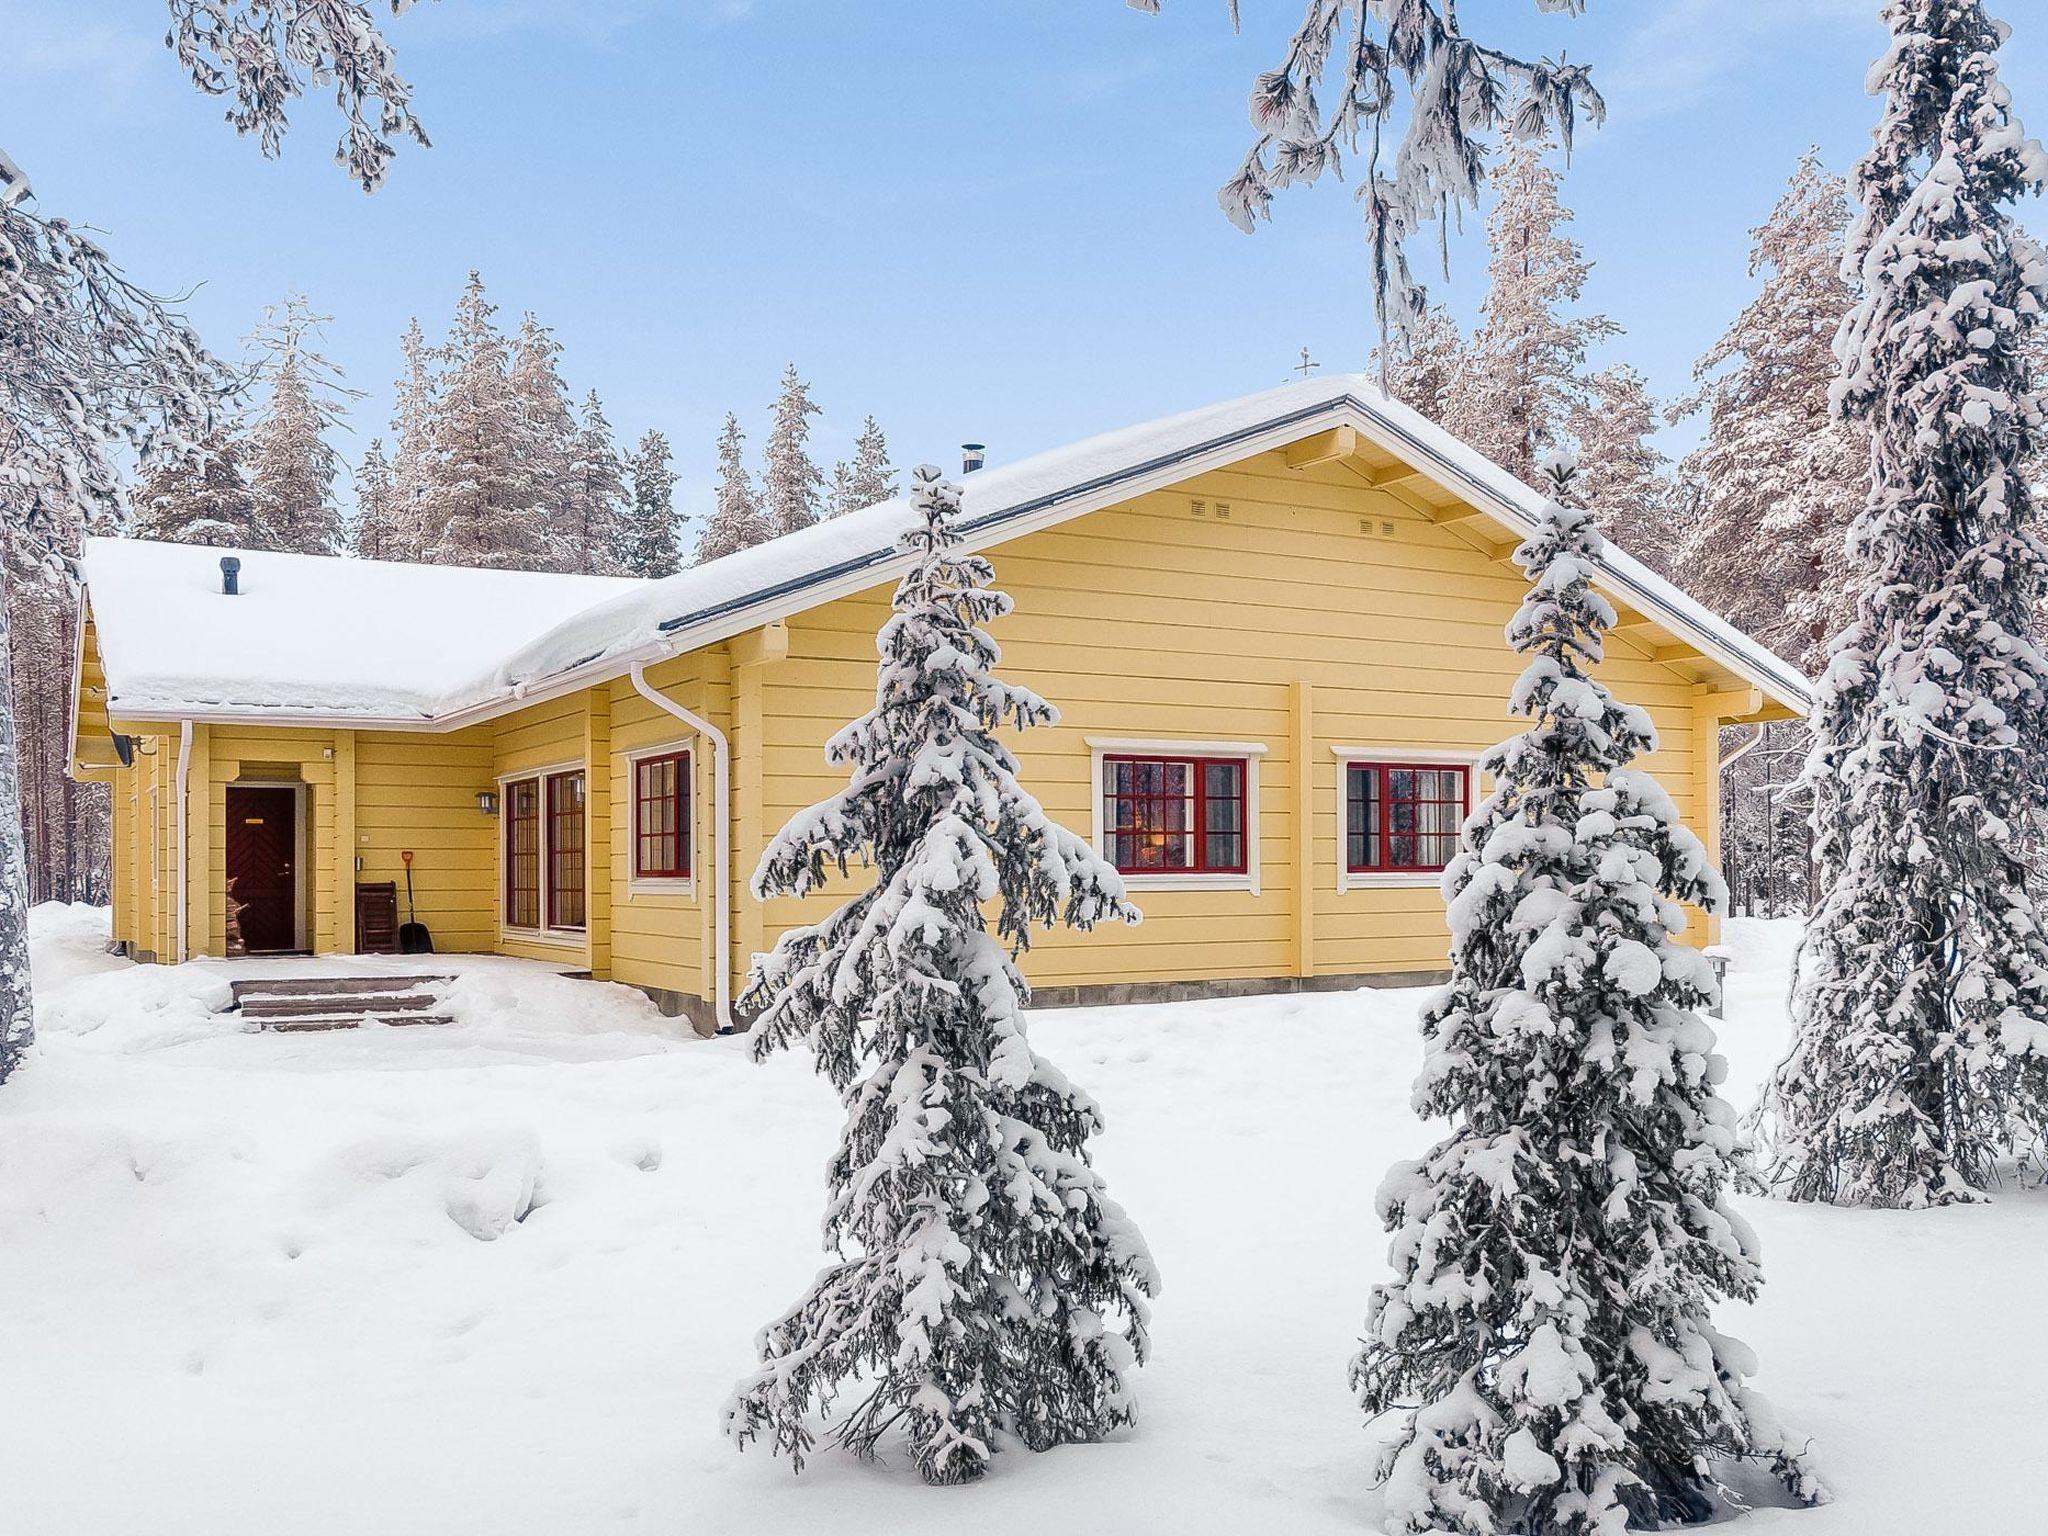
{"points": [[1403, 818], [565, 850], [522, 853], [1175, 815], [661, 817]]}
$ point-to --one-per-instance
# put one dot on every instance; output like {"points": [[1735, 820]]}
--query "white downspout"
{"points": [[721, 838], [184, 844]]}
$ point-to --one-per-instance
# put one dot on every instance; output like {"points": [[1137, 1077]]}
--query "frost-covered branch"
{"points": [[1335, 93], [263, 54]]}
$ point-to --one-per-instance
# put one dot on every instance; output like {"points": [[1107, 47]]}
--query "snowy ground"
{"points": [[498, 1277]]}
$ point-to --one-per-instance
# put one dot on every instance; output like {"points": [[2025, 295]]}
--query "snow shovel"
{"points": [[413, 938]]}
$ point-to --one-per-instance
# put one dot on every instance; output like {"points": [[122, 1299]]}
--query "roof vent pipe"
{"points": [[972, 457], [230, 574]]}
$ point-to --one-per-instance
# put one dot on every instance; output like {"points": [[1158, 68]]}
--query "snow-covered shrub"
{"points": [[1547, 1334], [981, 1263]]}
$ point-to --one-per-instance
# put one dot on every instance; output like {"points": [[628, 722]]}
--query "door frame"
{"points": [[302, 877]]}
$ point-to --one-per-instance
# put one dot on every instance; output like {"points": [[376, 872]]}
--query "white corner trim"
{"points": [[1101, 747], [1395, 880]]}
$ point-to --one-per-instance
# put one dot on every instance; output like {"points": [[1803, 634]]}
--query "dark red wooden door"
{"points": [[262, 846]]}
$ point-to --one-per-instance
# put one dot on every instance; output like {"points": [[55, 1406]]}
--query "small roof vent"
{"points": [[972, 457], [230, 574]]}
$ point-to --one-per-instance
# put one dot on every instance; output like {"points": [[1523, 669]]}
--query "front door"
{"points": [[262, 850]]}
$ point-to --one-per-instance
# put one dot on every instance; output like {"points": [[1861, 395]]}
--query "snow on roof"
{"points": [[697, 606], [308, 633], [411, 644]]}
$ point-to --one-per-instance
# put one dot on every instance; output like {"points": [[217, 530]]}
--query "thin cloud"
{"points": [[1689, 48]]}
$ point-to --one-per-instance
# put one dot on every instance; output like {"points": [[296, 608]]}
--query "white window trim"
{"points": [[1100, 747], [659, 885], [558, 938], [1394, 880]]}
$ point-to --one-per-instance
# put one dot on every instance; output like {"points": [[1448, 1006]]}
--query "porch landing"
{"points": [[301, 993]]}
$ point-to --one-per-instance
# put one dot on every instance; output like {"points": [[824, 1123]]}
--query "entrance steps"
{"points": [[339, 1002]]}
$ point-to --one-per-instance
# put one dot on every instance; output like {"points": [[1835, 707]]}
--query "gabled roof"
{"points": [[501, 639]]}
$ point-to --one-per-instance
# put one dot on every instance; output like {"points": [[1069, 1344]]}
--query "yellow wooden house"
{"points": [[1273, 627]]}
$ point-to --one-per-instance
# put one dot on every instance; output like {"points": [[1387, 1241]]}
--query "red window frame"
{"points": [[1123, 823], [522, 853], [1377, 837], [661, 818], [566, 850]]}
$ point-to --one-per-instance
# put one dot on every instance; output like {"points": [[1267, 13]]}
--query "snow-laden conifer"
{"points": [[866, 479], [792, 486], [653, 546], [1920, 1008], [736, 521], [594, 488], [199, 493], [291, 464], [1548, 1334], [1624, 478], [1424, 369], [373, 532], [982, 1270], [412, 447], [547, 443]]}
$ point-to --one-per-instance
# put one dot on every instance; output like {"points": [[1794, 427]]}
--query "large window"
{"points": [[1175, 815], [522, 853], [661, 817], [1403, 818], [544, 851]]}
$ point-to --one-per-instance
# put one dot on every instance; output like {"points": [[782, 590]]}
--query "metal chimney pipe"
{"points": [[230, 574], [972, 457]]}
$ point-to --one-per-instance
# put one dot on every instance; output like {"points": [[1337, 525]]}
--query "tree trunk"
{"points": [[17, 1001]]}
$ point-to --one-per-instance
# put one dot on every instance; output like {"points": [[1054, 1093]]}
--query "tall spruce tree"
{"points": [[1779, 477], [292, 466], [1425, 369], [737, 521], [981, 1261], [1624, 479], [199, 493], [547, 431], [653, 547], [478, 505], [412, 448], [792, 488], [595, 495], [868, 477], [1557, 1255], [374, 533], [1920, 1008], [1525, 372]]}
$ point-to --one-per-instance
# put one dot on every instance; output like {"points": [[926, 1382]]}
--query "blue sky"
{"points": [[991, 220]]}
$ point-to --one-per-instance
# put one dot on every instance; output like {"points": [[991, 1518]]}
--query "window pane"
{"points": [[565, 850], [522, 854]]}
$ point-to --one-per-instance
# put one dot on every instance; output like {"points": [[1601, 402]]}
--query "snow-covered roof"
{"points": [[373, 639], [317, 638]]}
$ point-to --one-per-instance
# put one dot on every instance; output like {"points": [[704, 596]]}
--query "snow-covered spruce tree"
{"points": [[1557, 1255], [477, 505], [981, 1262], [373, 531], [1624, 479], [1424, 370], [792, 487], [1524, 374], [1779, 477], [1341, 83], [412, 448], [652, 545], [737, 521], [868, 477], [595, 488], [199, 493], [291, 464], [547, 441], [94, 372], [1920, 1007]]}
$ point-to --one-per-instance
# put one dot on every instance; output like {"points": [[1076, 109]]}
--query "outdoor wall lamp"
{"points": [[487, 801]]}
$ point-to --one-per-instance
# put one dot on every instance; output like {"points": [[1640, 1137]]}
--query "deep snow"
{"points": [[500, 1276]]}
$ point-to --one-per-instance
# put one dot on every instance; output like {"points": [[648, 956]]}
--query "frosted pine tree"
{"points": [[1425, 370], [1920, 1008], [1779, 477], [1625, 479], [868, 478], [291, 464], [1548, 1334], [982, 1266], [547, 444], [1525, 371], [652, 544], [594, 485], [412, 448], [478, 484], [792, 489], [374, 534], [737, 521], [199, 493]]}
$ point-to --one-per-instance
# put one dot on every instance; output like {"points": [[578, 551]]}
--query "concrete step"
{"points": [[322, 1021], [295, 986], [309, 1005]]}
